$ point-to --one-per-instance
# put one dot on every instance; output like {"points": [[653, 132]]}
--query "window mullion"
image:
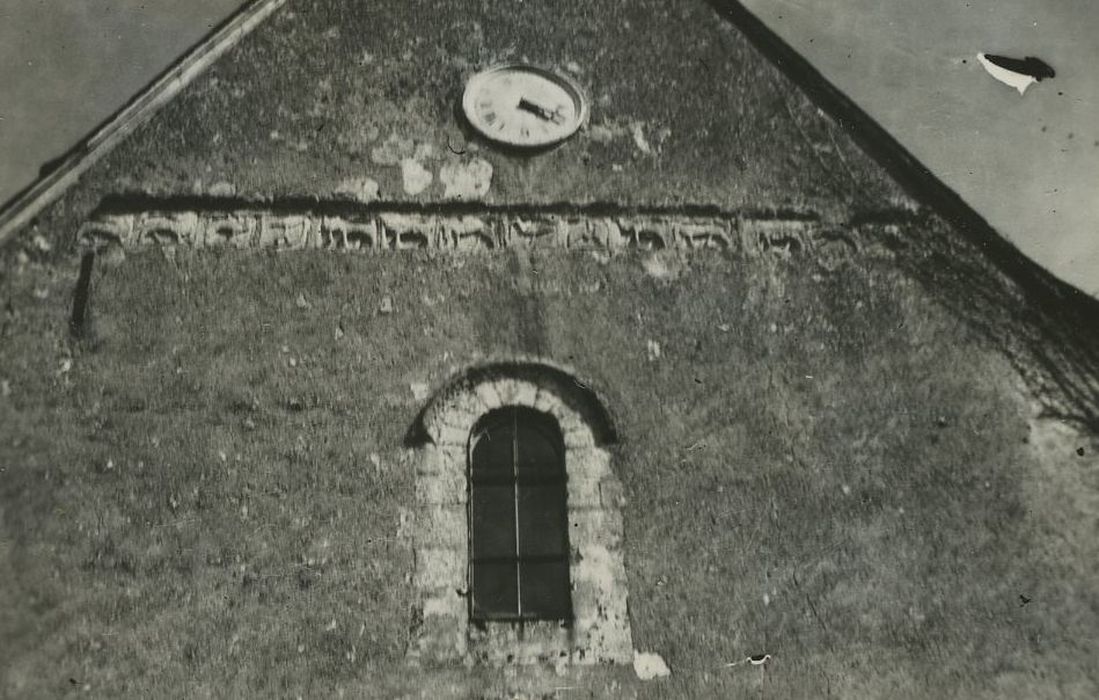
{"points": [[472, 529], [515, 496]]}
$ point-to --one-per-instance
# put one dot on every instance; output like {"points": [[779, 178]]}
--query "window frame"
{"points": [[442, 631], [497, 421]]}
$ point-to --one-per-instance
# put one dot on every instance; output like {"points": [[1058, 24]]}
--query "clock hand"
{"points": [[541, 112]]}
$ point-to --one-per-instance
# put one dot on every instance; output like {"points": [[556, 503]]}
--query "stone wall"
{"points": [[217, 490]]}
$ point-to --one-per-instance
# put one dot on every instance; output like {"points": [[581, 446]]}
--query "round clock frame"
{"points": [[524, 106]]}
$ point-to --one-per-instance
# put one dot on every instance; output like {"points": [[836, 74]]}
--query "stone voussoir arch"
{"points": [[599, 631]]}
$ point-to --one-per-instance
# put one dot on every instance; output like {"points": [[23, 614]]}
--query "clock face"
{"points": [[524, 106]]}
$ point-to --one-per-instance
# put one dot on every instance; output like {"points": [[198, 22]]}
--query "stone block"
{"points": [[713, 233], [602, 641], [569, 419], [613, 644], [169, 228], [230, 230], [429, 460], [442, 421], [600, 565], [588, 462], [362, 235], [336, 233], [611, 493], [442, 489], [452, 459], [607, 233], [467, 233], [575, 230], [646, 234], [466, 406], [578, 437], [443, 527], [285, 232], [440, 639], [466, 180], [599, 233], [537, 232], [448, 605], [108, 230], [586, 599], [616, 608], [449, 435], [583, 490], [594, 526], [358, 189], [525, 393], [489, 396], [549, 402], [508, 391], [504, 644], [782, 237], [833, 247], [438, 568], [409, 231]]}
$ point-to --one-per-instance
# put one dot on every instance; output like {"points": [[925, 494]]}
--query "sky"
{"points": [[66, 65], [1029, 164]]}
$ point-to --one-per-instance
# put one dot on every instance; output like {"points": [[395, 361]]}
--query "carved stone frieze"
{"points": [[466, 232]]}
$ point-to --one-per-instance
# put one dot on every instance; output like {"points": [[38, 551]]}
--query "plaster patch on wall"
{"points": [[648, 666], [638, 131], [415, 177], [646, 138], [393, 150], [606, 133], [652, 350], [359, 189], [662, 267], [468, 180]]}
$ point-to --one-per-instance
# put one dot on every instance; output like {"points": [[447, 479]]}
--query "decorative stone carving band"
{"points": [[392, 231]]}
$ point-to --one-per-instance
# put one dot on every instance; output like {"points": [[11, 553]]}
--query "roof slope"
{"points": [[58, 175]]}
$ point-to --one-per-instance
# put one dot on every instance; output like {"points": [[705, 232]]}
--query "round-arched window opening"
{"points": [[518, 518], [518, 530]]}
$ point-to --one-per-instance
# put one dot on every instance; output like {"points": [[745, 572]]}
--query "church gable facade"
{"points": [[328, 378]]}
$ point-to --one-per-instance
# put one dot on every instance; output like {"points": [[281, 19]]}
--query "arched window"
{"points": [[518, 518], [517, 533]]}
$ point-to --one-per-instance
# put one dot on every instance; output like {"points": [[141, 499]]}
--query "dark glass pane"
{"points": [[539, 446], [545, 588], [542, 525], [493, 513], [491, 453], [495, 590]]}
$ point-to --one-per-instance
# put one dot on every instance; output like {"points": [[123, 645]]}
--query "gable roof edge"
{"points": [[881, 146], [1045, 326], [21, 209]]}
